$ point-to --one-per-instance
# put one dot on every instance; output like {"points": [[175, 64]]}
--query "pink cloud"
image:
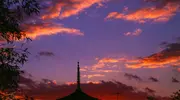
{"points": [[135, 33], [146, 14], [36, 30], [93, 75], [70, 7]]}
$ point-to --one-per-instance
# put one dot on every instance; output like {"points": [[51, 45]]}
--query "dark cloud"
{"points": [[25, 73], [164, 43], [174, 80], [28, 82], [177, 39], [149, 91], [131, 76], [46, 53], [49, 90], [153, 79], [171, 50]]}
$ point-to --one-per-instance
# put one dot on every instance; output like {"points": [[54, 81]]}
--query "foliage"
{"points": [[176, 95], [12, 58], [7, 96], [10, 62], [11, 16], [11, 96]]}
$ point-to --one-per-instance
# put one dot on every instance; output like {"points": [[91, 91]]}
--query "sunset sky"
{"points": [[124, 40]]}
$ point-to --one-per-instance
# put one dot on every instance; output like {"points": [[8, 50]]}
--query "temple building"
{"points": [[78, 94]]}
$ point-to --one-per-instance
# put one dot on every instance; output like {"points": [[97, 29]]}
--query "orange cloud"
{"points": [[135, 33], [105, 71], [83, 69], [104, 61], [70, 7], [34, 31], [165, 58], [108, 60], [93, 75], [70, 83], [153, 62], [93, 82], [143, 15], [88, 82], [97, 66], [104, 65], [170, 56]]}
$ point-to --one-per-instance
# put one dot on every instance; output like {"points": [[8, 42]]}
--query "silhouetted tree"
{"points": [[11, 58], [176, 95]]}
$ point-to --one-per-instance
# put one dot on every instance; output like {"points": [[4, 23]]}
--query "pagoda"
{"points": [[78, 94]]}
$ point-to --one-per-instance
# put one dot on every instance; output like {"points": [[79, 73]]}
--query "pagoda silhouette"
{"points": [[78, 94]]}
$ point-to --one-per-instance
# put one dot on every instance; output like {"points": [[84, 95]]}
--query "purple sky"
{"points": [[104, 37]]}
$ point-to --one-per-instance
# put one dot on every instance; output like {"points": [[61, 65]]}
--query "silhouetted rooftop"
{"points": [[78, 94]]}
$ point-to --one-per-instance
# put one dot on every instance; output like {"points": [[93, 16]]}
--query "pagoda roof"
{"points": [[78, 95]]}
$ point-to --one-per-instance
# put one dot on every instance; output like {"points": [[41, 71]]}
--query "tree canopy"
{"points": [[11, 57]]}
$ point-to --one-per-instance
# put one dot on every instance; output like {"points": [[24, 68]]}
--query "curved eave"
{"points": [[78, 95]]}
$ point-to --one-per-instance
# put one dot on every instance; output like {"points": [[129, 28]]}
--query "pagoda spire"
{"points": [[78, 77]]}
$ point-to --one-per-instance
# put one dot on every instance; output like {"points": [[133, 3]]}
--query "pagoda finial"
{"points": [[78, 77]]}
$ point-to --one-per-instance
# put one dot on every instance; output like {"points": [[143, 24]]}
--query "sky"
{"points": [[132, 42]]}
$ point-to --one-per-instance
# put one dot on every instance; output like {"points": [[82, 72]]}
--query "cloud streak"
{"points": [[104, 61], [93, 75], [44, 29], [153, 79], [174, 80], [149, 91], [66, 8], [148, 14], [170, 56], [131, 76], [167, 57], [101, 68], [53, 11], [46, 53], [136, 32]]}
